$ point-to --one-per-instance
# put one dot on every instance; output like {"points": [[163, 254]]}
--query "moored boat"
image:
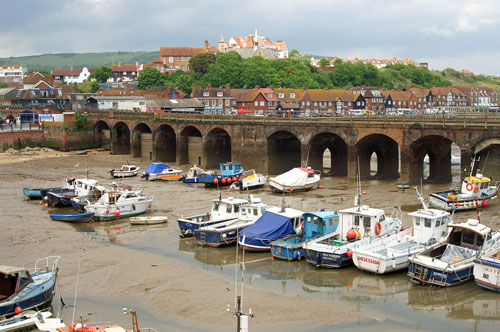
{"points": [[75, 187], [192, 174], [229, 173], [250, 180], [358, 226], [124, 171], [161, 171], [149, 220], [315, 224], [487, 270], [25, 289], [119, 204], [475, 191], [225, 233], [391, 253], [22, 321], [271, 226], [451, 262], [222, 210], [296, 179], [72, 217]]}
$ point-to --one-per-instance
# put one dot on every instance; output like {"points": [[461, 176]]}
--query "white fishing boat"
{"points": [[223, 209], [451, 262], [388, 254], [149, 220], [161, 171], [22, 321], [119, 204], [487, 270], [249, 180], [226, 232], [296, 179], [169, 174], [475, 191], [124, 171]]}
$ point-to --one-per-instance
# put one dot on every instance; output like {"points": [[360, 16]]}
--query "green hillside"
{"points": [[459, 78], [78, 60]]}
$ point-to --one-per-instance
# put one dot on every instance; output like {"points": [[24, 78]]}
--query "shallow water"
{"points": [[459, 308]]}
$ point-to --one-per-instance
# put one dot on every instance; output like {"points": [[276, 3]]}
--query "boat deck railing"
{"points": [[50, 263]]}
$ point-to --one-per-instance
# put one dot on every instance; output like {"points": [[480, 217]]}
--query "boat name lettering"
{"points": [[368, 260], [440, 275], [331, 256], [489, 269]]}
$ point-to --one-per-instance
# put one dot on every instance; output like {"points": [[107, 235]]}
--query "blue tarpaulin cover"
{"points": [[155, 168], [270, 226]]}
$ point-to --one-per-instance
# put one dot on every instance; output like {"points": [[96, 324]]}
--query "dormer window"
{"points": [[292, 95], [269, 95], [205, 94], [281, 95], [220, 94]]}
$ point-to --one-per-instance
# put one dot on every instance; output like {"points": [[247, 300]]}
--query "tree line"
{"points": [[295, 72]]}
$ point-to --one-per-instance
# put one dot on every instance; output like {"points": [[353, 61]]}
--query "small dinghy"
{"points": [[152, 220], [73, 217], [22, 321], [125, 171]]}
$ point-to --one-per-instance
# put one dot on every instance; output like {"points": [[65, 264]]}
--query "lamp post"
{"points": [[135, 323]]}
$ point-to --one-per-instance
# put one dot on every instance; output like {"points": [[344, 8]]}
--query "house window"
{"points": [[315, 103], [281, 95], [269, 95], [227, 102], [170, 59], [292, 95], [256, 103], [182, 58], [213, 102], [124, 73], [220, 94], [205, 93], [270, 103], [220, 102], [261, 103]]}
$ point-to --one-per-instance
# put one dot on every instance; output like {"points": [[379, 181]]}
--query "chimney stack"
{"points": [[71, 67], [137, 63], [207, 46]]}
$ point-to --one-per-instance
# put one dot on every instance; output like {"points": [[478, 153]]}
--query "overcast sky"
{"points": [[462, 34]]}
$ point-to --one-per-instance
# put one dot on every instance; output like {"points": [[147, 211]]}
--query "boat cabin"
{"points": [[252, 210], [84, 186], [319, 223], [194, 171], [475, 185], [365, 221], [111, 197], [228, 207], [129, 168], [429, 224], [231, 168], [470, 235], [13, 280]]}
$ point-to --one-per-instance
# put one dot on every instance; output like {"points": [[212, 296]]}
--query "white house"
{"points": [[133, 103], [71, 75], [12, 72]]}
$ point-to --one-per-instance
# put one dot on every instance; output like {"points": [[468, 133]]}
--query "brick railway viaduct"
{"points": [[274, 145]]}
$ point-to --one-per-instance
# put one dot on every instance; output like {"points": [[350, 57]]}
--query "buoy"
{"points": [[457, 204], [47, 205], [107, 211], [349, 285], [18, 310], [321, 187], [118, 229], [235, 179], [291, 189], [228, 180], [478, 203], [41, 202], [351, 234], [117, 212], [364, 192], [349, 253], [485, 203], [272, 258], [216, 181], [223, 181]]}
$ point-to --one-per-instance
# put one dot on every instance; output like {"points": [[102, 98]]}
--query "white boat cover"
{"points": [[293, 178], [455, 253]]}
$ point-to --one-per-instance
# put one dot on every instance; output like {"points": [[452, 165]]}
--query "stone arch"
{"points": [[165, 143], [217, 147], [338, 153], [191, 146], [102, 135], [283, 152], [439, 150], [142, 142], [387, 152], [121, 138]]}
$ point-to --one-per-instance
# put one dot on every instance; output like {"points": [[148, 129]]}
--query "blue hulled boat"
{"points": [[451, 262], [315, 224], [72, 217], [21, 288], [222, 210], [74, 187], [357, 227], [229, 173], [270, 227], [37, 193], [225, 233]]}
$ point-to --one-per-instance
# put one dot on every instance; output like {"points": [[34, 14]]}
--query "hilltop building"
{"points": [[253, 45], [12, 73]]}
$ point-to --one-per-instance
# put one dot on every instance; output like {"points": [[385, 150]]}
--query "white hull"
{"points": [[310, 183], [119, 174], [127, 209], [22, 320], [487, 271], [148, 220]]}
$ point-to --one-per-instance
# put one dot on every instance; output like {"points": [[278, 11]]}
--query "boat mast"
{"points": [[421, 199]]}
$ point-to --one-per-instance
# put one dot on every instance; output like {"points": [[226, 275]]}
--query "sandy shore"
{"points": [[113, 271]]}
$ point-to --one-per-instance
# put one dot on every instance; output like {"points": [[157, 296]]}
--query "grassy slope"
{"points": [[79, 60]]}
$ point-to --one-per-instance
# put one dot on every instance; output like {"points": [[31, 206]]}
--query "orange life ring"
{"points": [[476, 189], [378, 228], [469, 186]]}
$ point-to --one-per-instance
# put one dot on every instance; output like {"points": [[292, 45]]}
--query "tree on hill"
{"points": [[101, 74], [201, 61], [180, 79], [324, 62], [150, 77], [43, 72]]}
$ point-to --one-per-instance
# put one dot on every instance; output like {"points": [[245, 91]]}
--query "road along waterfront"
{"points": [[176, 285]]}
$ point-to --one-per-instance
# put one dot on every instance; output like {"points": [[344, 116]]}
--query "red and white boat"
{"points": [[296, 179]]}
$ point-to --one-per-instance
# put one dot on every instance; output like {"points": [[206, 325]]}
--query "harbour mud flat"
{"points": [[176, 285]]}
